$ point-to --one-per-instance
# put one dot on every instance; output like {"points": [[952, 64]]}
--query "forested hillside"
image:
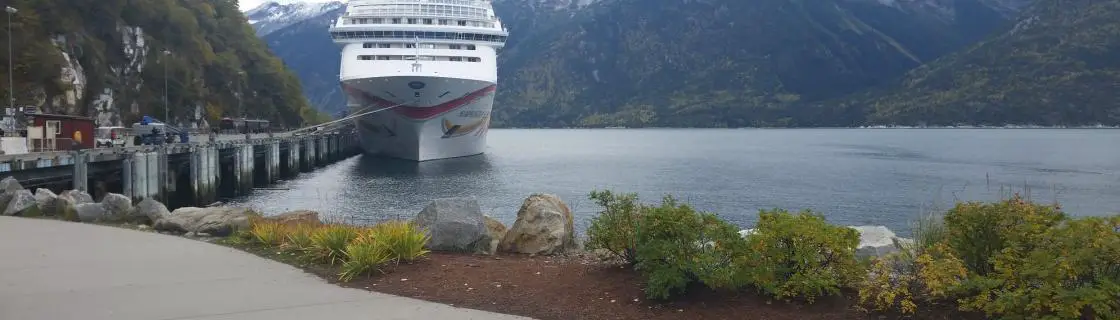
{"points": [[1059, 65], [721, 63], [106, 59]]}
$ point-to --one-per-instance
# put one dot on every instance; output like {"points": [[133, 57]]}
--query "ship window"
{"points": [[383, 45], [411, 21], [410, 45], [454, 47], [396, 20], [378, 20], [463, 23], [444, 22], [365, 57], [427, 21], [470, 47], [456, 59], [367, 45], [473, 59]]}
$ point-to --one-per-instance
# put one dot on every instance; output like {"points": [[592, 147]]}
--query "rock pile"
{"points": [[544, 226]]}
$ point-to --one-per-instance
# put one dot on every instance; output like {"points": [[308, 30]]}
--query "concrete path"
{"points": [[54, 270]]}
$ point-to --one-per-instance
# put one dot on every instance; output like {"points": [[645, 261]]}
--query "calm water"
{"points": [[855, 177]]}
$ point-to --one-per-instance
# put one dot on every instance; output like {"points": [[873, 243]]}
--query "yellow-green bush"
{"points": [[799, 256], [900, 281], [404, 240], [299, 237], [1068, 271], [977, 231], [328, 243], [614, 228], [364, 254], [268, 232], [677, 246]]}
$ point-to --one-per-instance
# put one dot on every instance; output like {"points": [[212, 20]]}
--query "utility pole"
{"points": [[166, 108], [11, 84], [240, 93]]}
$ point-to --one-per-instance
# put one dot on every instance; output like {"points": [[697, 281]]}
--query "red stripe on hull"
{"points": [[422, 113]]}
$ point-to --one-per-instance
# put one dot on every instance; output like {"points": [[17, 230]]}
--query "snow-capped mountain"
{"points": [[274, 15]]}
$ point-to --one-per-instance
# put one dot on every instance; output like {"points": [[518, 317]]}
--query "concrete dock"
{"points": [[56, 270], [182, 174]]}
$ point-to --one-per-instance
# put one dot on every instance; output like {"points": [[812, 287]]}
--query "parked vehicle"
{"points": [[110, 137]]}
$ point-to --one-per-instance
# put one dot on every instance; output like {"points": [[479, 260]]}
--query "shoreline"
{"points": [[453, 254]]}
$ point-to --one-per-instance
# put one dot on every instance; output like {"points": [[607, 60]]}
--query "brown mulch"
{"points": [[580, 287]]}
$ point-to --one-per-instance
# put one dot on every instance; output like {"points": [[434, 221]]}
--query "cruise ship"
{"points": [[424, 71]]}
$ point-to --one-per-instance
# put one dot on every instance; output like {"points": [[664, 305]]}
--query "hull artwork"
{"points": [[437, 118]]}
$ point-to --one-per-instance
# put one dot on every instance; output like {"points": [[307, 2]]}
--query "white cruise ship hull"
{"points": [[430, 118]]}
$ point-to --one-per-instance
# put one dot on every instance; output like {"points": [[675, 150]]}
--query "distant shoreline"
{"points": [[802, 128]]}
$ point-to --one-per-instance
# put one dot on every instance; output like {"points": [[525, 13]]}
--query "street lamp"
{"points": [[165, 76], [11, 86]]}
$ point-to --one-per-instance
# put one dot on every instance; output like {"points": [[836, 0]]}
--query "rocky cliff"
{"points": [[113, 59]]}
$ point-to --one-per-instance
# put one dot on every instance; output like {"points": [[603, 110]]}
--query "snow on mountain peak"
{"points": [[277, 14]]}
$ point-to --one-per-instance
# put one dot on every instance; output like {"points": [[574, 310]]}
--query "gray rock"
{"points": [[877, 241], [10, 184], [77, 196], [90, 212], [45, 197], [544, 226], [22, 204], [150, 209], [217, 221], [118, 205], [454, 224], [143, 227], [495, 231]]}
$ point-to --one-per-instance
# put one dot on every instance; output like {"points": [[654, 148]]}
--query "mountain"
{"points": [[298, 34], [105, 59], [1059, 64], [724, 63], [272, 16]]}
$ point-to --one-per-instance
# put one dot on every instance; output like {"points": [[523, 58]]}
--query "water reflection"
{"points": [[389, 167]]}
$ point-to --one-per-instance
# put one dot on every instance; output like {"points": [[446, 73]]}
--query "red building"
{"points": [[66, 129]]}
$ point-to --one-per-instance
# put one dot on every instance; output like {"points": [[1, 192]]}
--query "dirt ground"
{"points": [[581, 287]]}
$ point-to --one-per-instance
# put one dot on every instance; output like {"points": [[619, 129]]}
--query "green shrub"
{"points": [[328, 243], [404, 241], [977, 231], [1068, 271], [799, 256], [614, 228], [364, 254], [677, 246]]}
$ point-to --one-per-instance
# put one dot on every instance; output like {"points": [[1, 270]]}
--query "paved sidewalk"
{"points": [[54, 270]]}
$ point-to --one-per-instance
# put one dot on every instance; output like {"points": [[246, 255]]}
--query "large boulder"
{"points": [[544, 226], [77, 196], [45, 197], [876, 241], [495, 231], [91, 212], [10, 184], [150, 209], [216, 221], [8, 187], [454, 224], [119, 206], [297, 217], [22, 204]]}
